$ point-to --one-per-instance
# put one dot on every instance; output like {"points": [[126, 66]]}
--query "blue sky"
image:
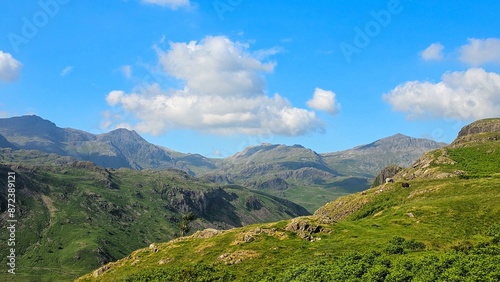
{"points": [[213, 77]]}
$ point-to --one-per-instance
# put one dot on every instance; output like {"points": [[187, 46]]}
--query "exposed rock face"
{"points": [[481, 126], [200, 202], [275, 183], [253, 203], [387, 173], [304, 228], [486, 130]]}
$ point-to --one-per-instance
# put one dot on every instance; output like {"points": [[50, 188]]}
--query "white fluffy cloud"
{"points": [[472, 94], [172, 4], [433, 53], [324, 100], [10, 68], [481, 51], [224, 92]]}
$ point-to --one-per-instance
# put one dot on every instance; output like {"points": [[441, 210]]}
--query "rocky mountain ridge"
{"points": [[125, 148], [368, 160], [437, 228], [292, 172]]}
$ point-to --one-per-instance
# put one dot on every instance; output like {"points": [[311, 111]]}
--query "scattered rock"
{"points": [[100, 271], [303, 228], [164, 261], [207, 233], [248, 238], [153, 248], [410, 215], [237, 257]]}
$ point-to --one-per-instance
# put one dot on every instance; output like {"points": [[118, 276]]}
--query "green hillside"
{"points": [[444, 227], [75, 216]]}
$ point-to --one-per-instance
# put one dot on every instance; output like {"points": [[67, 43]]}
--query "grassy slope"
{"points": [[314, 196], [72, 218], [450, 228]]}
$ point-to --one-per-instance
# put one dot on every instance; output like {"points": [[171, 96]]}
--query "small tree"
{"points": [[184, 224]]}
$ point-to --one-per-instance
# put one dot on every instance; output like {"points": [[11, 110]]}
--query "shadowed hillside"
{"points": [[74, 216]]}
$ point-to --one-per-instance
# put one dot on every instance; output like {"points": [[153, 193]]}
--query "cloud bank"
{"points": [[467, 95], [481, 51], [224, 92], [10, 68]]}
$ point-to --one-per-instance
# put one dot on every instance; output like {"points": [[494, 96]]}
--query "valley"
{"points": [[443, 227], [269, 213]]}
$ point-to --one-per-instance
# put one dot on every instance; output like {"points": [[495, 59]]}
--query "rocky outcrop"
{"points": [[274, 184], [387, 173], [486, 130], [304, 228], [207, 233], [201, 203], [253, 203], [481, 126]]}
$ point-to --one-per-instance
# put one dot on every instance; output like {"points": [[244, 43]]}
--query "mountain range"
{"points": [[439, 220], [292, 172], [75, 216]]}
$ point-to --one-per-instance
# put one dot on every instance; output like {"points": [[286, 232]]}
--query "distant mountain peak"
{"points": [[123, 132], [27, 120], [398, 135]]}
